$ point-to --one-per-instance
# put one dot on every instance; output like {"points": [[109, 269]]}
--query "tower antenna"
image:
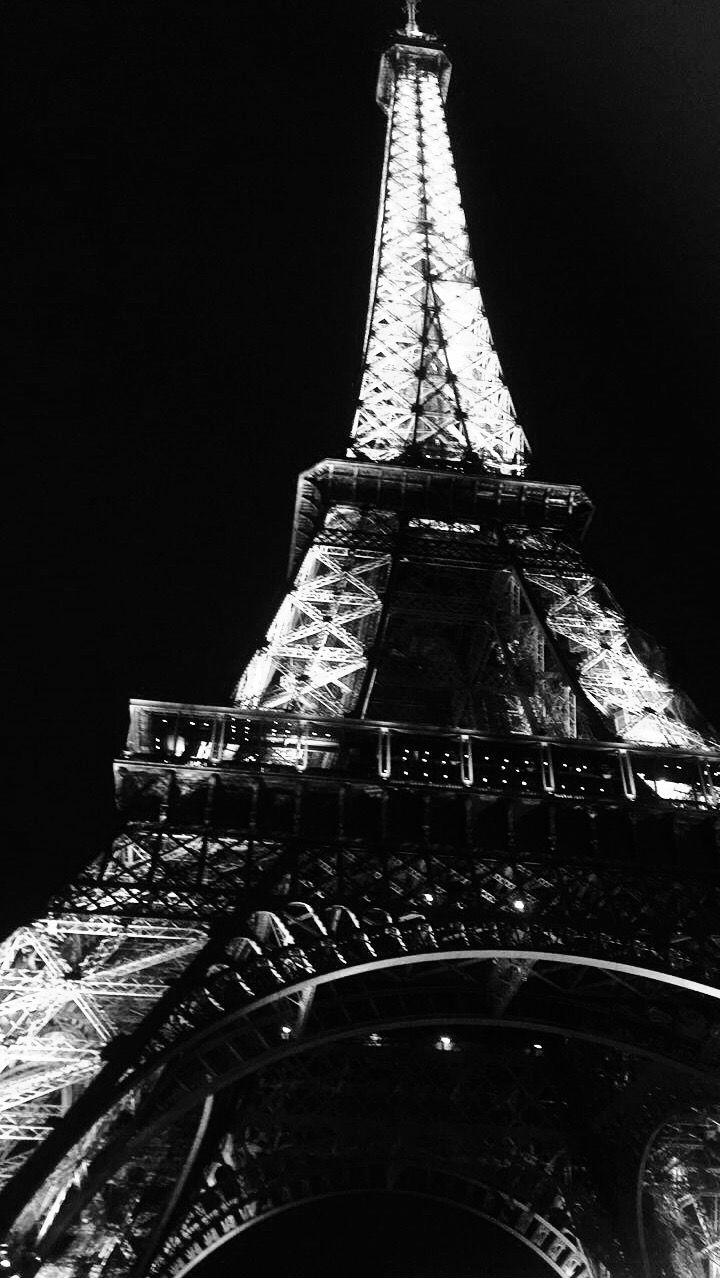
{"points": [[411, 26]]}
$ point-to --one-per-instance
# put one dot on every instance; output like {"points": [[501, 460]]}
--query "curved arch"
{"points": [[222, 1026], [561, 1252], [251, 1053], [569, 914], [387, 963]]}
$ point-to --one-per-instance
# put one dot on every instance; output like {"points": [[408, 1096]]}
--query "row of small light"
{"points": [[517, 901], [442, 1044]]}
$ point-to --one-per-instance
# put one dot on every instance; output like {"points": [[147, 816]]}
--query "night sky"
{"points": [[191, 226]]}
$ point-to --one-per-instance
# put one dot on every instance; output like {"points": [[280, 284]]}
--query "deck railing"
{"points": [[218, 738]]}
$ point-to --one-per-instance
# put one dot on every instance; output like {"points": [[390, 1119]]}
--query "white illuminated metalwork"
{"points": [[315, 655], [637, 702], [432, 387], [68, 986]]}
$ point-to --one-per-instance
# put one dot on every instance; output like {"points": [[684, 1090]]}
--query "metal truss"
{"points": [[68, 986], [682, 1189], [617, 672], [502, 1123], [460, 643], [635, 700], [209, 1229], [464, 1123], [432, 387], [315, 655], [266, 977], [480, 886], [498, 629]]}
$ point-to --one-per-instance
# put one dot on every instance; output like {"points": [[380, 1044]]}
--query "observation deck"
{"points": [[200, 775], [262, 743]]}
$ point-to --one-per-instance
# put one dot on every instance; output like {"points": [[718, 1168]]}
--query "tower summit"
{"points": [[432, 389], [431, 906]]}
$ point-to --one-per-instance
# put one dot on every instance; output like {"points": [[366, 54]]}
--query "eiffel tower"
{"points": [[432, 907]]}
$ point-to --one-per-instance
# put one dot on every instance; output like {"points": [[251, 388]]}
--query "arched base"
{"points": [[560, 1252]]}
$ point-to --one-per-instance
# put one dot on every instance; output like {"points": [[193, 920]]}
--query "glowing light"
{"points": [[315, 654], [432, 381], [444, 1043], [680, 791], [37, 1067], [518, 904], [639, 703]]}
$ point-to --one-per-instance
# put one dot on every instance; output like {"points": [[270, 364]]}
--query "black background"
{"points": [[190, 232]]}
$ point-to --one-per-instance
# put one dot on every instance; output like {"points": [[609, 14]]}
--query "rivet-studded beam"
{"points": [[432, 388]]}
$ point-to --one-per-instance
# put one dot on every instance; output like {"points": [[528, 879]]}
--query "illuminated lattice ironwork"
{"points": [[68, 986], [432, 387], [316, 649], [635, 700], [487, 623], [456, 789]]}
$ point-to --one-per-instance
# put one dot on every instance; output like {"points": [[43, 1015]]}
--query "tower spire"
{"points": [[432, 390], [411, 26]]}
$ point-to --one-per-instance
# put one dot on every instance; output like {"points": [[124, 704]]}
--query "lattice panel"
{"points": [[315, 656], [638, 702], [68, 987]]}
